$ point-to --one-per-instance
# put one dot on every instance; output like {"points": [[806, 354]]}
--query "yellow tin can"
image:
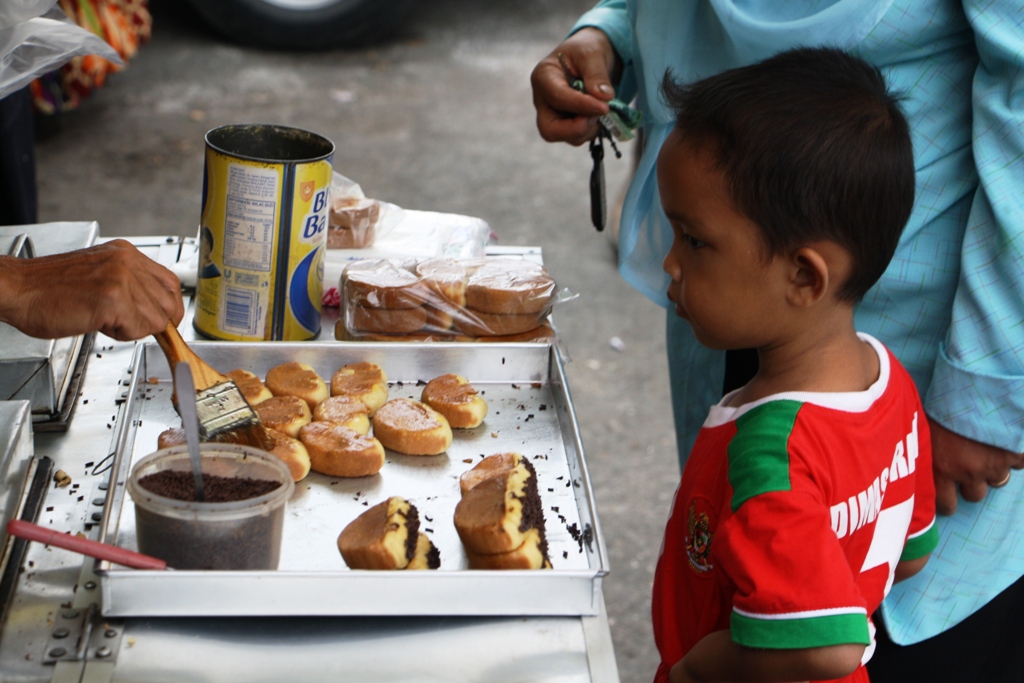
{"points": [[263, 233]]}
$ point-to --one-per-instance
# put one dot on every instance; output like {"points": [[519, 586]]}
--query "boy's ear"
{"points": [[809, 277]]}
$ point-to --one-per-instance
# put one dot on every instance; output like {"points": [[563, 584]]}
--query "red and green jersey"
{"points": [[791, 516]]}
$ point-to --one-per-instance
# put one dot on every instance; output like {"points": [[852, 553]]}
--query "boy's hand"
{"points": [[564, 114], [972, 465]]}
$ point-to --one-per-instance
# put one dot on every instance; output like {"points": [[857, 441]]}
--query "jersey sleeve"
{"points": [[794, 587], [923, 535]]}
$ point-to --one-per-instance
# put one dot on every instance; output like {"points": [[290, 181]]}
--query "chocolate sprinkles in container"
{"points": [[263, 233]]}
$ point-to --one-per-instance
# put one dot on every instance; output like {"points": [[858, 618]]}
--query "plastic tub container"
{"points": [[244, 534]]}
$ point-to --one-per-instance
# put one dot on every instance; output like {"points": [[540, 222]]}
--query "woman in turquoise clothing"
{"points": [[951, 304]]}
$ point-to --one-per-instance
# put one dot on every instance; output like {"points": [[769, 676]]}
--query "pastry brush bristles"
{"points": [[253, 434], [225, 416]]}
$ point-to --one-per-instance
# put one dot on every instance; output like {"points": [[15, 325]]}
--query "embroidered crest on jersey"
{"points": [[698, 539]]}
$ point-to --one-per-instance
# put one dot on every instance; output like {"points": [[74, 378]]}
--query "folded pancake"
{"points": [[496, 513], [383, 537]]}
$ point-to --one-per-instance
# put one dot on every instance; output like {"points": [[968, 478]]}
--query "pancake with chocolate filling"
{"points": [[495, 515], [532, 554], [383, 537], [427, 556]]}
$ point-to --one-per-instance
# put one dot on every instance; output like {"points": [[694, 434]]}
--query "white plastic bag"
{"points": [[16, 11], [37, 45]]}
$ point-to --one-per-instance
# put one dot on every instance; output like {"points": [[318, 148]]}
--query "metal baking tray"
{"points": [[530, 412]]}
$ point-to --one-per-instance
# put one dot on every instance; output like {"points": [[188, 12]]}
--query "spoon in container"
{"points": [[190, 421]]}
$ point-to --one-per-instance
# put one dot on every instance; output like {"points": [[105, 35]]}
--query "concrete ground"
{"points": [[440, 119]]}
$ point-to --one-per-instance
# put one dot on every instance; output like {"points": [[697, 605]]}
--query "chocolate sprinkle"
{"points": [[217, 489]]}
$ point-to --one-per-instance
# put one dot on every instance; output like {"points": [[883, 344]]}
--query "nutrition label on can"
{"points": [[249, 227]]}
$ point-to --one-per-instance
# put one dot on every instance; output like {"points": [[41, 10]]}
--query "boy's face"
{"points": [[721, 283]]}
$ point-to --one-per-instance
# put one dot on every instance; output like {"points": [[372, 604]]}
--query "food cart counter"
{"points": [[53, 627]]}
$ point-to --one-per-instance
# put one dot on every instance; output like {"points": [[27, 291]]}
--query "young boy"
{"points": [[809, 489]]}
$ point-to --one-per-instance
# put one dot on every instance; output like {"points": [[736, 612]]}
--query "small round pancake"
{"points": [[412, 428], [297, 379], [286, 414], [341, 452], [250, 385], [363, 381], [345, 411], [292, 452], [454, 397], [175, 436]]}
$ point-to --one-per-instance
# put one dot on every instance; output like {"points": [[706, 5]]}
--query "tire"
{"points": [[303, 24]]}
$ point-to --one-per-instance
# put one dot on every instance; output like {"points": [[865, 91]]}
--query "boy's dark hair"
{"points": [[813, 146]]}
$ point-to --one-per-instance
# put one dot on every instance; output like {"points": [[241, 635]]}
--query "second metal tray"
{"points": [[530, 412]]}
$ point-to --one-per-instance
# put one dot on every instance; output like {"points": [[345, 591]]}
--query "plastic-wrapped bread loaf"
{"points": [[443, 299]]}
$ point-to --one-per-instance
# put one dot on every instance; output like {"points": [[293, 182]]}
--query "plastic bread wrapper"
{"points": [[433, 300], [356, 221]]}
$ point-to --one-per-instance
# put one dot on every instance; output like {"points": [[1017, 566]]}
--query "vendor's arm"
{"points": [[977, 392], [112, 288], [596, 52], [717, 658]]}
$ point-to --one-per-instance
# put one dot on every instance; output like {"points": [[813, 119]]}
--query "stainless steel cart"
{"points": [[54, 629]]}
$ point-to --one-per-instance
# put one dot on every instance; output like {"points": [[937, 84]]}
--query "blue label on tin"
{"points": [[303, 308]]}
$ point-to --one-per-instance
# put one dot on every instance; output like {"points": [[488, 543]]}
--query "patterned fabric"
{"points": [[791, 516], [124, 24], [951, 304]]}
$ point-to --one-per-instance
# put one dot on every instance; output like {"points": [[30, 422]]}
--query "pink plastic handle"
{"points": [[85, 546]]}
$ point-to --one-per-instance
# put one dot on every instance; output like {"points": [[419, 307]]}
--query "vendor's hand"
{"points": [[563, 113], [113, 288], [971, 465]]}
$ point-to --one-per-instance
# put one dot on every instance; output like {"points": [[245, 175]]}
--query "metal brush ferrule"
{"points": [[221, 408]]}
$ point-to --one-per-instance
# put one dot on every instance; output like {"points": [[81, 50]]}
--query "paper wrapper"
{"points": [[443, 299]]}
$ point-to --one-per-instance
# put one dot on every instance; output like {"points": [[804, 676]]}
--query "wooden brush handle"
{"points": [[177, 351]]}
